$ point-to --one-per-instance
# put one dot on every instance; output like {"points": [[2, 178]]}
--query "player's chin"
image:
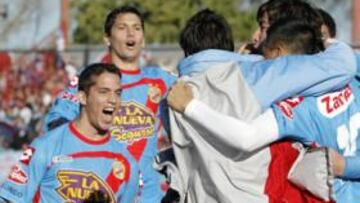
{"points": [[105, 124]]}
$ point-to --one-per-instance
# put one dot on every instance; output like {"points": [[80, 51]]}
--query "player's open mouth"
{"points": [[109, 111], [130, 43]]}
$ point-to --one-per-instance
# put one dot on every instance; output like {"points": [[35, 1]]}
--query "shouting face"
{"points": [[127, 37], [102, 101]]}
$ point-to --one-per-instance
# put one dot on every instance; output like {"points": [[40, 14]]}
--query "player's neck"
{"points": [[126, 65], [84, 126]]}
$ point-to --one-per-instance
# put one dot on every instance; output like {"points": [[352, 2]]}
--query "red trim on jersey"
{"points": [[153, 106], [113, 181], [136, 149], [130, 72], [107, 58], [87, 140], [37, 196], [144, 81]]}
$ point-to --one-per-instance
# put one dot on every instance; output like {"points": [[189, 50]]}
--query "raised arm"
{"points": [[65, 108]]}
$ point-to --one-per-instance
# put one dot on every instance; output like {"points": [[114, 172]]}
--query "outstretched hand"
{"points": [[179, 96]]}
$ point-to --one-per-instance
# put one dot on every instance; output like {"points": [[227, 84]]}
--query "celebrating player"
{"points": [[79, 161]]}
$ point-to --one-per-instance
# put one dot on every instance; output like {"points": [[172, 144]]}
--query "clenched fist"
{"points": [[179, 96]]}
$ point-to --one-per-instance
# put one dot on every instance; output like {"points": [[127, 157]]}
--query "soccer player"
{"points": [[274, 10], [207, 166], [328, 27], [139, 120], [79, 161], [330, 120]]}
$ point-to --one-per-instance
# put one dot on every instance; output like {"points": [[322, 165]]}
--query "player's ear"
{"points": [[143, 43], [82, 97], [107, 41]]}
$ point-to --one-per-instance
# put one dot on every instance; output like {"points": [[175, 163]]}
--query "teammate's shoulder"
{"points": [[287, 106]]}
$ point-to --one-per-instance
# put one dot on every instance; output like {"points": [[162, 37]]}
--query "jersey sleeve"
{"points": [[25, 177], [302, 75], [65, 108], [294, 120], [352, 168]]}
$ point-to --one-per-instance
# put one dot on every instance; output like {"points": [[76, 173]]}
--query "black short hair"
{"points": [[88, 75], [111, 17], [291, 9], [299, 37], [206, 30], [329, 21]]}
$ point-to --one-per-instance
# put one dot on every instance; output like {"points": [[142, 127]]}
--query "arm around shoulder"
{"points": [[232, 132]]}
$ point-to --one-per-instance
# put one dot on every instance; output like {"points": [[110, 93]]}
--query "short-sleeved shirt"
{"points": [[66, 166], [331, 120]]}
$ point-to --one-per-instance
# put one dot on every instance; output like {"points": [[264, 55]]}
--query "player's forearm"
{"points": [[231, 131]]}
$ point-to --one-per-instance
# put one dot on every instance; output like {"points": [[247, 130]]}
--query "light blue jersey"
{"points": [[65, 166], [139, 124], [331, 120], [274, 80]]}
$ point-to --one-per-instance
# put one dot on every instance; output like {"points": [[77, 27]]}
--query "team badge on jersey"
{"points": [[332, 104], [287, 105], [133, 122], [26, 155], [154, 94], [18, 175], [119, 170], [78, 186]]}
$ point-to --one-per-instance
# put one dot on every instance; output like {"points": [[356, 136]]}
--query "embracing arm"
{"points": [[274, 80], [231, 131]]}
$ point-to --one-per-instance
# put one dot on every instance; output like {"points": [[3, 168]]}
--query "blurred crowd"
{"points": [[28, 85]]}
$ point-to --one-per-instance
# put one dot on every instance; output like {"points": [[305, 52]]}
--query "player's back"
{"points": [[331, 120]]}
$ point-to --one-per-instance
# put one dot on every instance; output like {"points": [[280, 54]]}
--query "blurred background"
{"points": [[44, 43]]}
